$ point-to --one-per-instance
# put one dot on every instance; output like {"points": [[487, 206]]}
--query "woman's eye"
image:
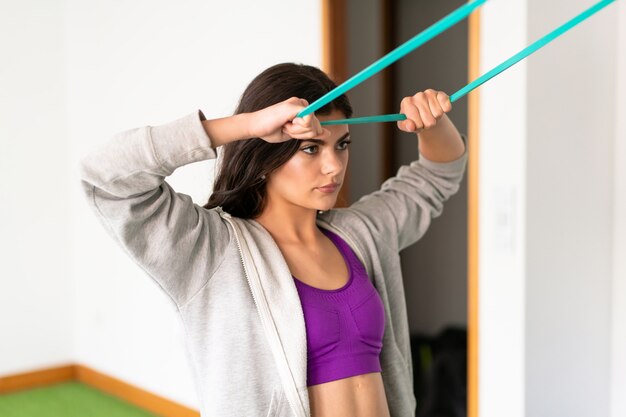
{"points": [[309, 147], [343, 145], [345, 142]]}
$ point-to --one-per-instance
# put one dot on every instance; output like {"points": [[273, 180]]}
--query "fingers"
{"points": [[423, 110], [303, 130], [291, 107], [303, 121], [413, 120], [296, 132], [435, 107], [307, 127], [444, 101], [297, 101]]}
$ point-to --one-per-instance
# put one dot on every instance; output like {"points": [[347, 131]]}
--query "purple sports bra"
{"points": [[345, 326]]}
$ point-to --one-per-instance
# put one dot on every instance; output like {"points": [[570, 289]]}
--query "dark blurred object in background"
{"points": [[440, 373]]}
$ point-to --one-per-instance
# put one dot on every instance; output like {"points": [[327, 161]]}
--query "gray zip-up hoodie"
{"points": [[227, 278]]}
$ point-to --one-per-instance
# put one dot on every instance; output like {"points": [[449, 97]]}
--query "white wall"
{"points": [[35, 212], [77, 72], [502, 148], [618, 345], [571, 134], [138, 63], [548, 212]]}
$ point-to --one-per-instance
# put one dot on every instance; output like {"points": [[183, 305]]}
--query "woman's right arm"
{"points": [[178, 243]]}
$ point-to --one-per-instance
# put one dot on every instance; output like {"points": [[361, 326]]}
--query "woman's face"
{"points": [[316, 163]]}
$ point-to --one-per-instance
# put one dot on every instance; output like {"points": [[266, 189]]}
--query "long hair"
{"points": [[239, 188]]}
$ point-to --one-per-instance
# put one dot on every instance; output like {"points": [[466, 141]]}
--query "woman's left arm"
{"points": [[439, 140], [401, 211]]}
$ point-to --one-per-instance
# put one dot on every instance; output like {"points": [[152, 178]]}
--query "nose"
{"points": [[332, 162]]}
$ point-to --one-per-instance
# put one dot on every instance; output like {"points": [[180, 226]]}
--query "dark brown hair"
{"points": [[239, 188]]}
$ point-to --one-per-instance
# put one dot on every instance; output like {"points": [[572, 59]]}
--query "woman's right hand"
{"points": [[277, 123]]}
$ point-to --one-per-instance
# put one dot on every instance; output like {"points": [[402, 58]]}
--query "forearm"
{"points": [[137, 160], [227, 129], [441, 143]]}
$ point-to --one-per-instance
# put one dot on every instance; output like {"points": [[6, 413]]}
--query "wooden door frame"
{"points": [[472, 214], [334, 63]]}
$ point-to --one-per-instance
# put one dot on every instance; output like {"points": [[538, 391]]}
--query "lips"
{"points": [[329, 187]]}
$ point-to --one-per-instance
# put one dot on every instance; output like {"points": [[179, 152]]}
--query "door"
{"points": [[355, 34]]}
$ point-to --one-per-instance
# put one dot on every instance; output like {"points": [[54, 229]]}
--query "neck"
{"points": [[293, 225]]}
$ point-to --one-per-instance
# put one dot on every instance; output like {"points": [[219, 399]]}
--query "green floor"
{"points": [[69, 399]]}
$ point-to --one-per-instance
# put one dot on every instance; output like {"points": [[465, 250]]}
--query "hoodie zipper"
{"points": [[262, 310]]}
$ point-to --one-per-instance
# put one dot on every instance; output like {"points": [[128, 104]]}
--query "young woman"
{"points": [[291, 307]]}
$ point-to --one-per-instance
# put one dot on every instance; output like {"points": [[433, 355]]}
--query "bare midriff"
{"points": [[360, 395]]}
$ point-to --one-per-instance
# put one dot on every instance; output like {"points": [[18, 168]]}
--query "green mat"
{"points": [[69, 399]]}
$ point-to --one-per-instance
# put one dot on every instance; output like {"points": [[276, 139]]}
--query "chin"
{"points": [[326, 207]]}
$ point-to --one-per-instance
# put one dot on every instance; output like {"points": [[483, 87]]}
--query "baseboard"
{"points": [[110, 385], [137, 396], [37, 378]]}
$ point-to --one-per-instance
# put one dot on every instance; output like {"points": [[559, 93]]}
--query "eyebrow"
{"points": [[320, 141]]}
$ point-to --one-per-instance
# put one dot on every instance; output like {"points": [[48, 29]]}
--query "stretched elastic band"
{"points": [[410, 45], [489, 75]]}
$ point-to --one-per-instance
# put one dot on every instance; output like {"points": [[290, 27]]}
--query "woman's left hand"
{"points": [[423, 110]]}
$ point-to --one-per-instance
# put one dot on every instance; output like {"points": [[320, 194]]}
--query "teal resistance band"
{"points": [[486, 77], [417, 41]]}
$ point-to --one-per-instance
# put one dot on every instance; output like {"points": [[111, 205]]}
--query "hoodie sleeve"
{"points": [[402, 209], [178, 243]]}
